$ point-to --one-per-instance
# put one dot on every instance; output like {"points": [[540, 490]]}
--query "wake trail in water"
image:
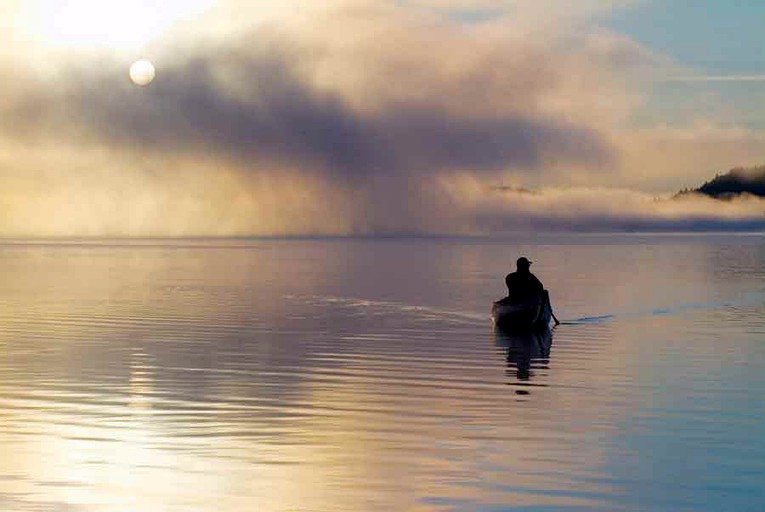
{"points": [[453, 316], [746, 301], [473, 318], [588, 320]]}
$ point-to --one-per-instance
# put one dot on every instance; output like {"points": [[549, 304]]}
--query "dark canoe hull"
{"points": [[523, 315]]}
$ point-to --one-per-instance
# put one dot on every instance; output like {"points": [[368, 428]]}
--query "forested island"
{"points": [[733, 183]]}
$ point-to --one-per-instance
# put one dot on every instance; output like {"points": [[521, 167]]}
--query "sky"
{"points": [[360, 117]]}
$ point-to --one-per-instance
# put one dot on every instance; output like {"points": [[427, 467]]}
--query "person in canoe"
{"points": [[522, 284]]}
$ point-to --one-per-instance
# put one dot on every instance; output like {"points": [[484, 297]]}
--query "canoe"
{"points": [[519, 315]]}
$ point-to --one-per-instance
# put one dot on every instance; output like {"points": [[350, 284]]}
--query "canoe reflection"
{"points": [[525, 349]]}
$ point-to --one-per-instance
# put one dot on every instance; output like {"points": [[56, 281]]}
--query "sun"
{"points": [[118, 24], [142, 72]]}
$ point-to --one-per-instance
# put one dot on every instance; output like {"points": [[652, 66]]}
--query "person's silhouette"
{"points": [[522, 284]]}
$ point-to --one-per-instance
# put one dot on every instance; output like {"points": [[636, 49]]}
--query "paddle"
{"points": [[549, 304]]}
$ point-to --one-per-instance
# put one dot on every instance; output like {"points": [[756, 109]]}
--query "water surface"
{"points": [[360, 374]]}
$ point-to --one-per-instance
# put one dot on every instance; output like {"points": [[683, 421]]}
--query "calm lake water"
{"points": [[358, 374]]}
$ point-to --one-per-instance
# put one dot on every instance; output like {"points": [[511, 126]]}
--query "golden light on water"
{"points": [[142, 72]]}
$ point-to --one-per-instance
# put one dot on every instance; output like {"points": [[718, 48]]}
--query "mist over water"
{"points": [[363, 374]]}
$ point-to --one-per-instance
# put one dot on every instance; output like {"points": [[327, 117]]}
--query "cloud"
{"points": [[669, 158], [404, 121], [713, 78], [542, 14], [602, 209], [287, 121], [254, 100]]}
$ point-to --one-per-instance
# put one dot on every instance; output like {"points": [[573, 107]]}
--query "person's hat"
{"points": [[523, 261]]}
